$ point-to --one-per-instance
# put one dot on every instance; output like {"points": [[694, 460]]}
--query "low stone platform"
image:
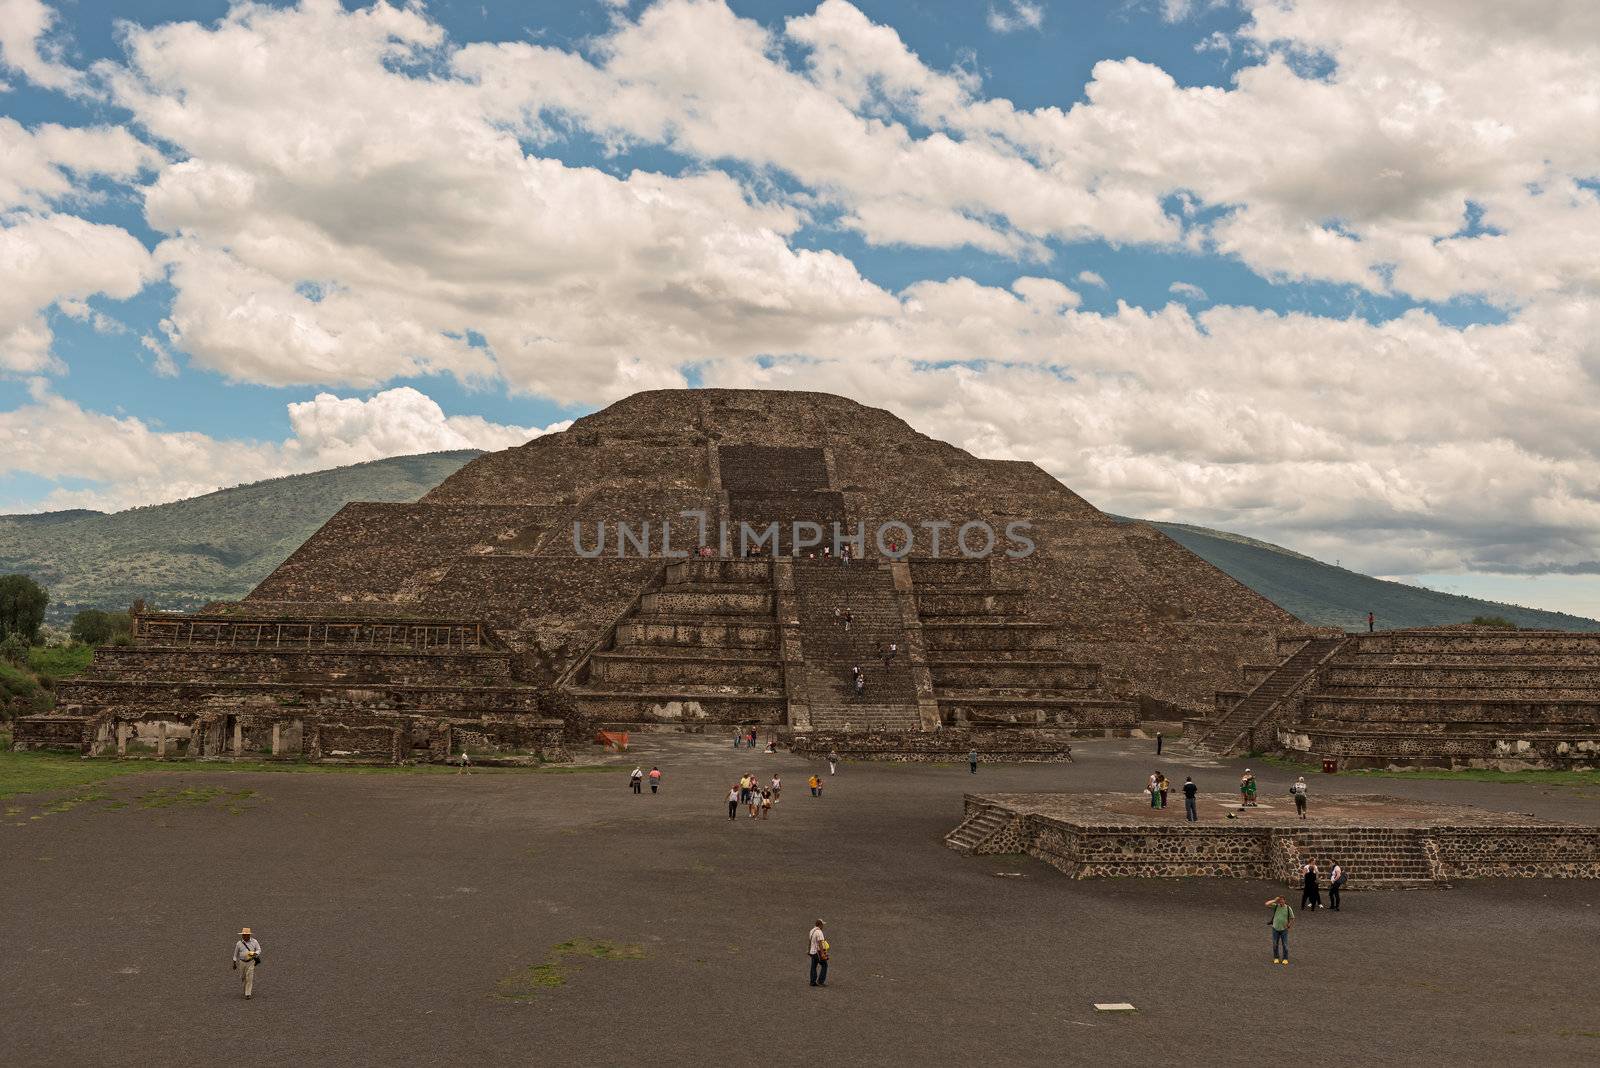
{"points": [[1382, 842]]}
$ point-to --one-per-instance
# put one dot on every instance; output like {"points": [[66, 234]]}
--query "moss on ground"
{"points": [[526, 984], [1536, 776]]}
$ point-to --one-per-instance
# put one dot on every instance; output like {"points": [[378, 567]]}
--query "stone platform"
{"points": [[1382, 842]]}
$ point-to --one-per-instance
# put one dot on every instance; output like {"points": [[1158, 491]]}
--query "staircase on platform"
{"points": [[1373, 858], [977, 829], [1235, 726]]}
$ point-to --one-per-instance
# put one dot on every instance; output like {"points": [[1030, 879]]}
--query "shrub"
{"points": [[94, 627], [14, 649], [1493, 621]]}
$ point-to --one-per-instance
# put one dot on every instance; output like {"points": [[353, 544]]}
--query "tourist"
{"points": [[766, 803], [1249, 788], [738, 739], [1161, 784], [753, 735], [754, 797], [466, 761], [1370, 622], [772, 745], [817, 950], [1310, 893], [844, 554], [889, 654], [1244, 789], [1298, 791], [1152, 786], [1282, 920], [1158, 743], [860, 683], [733, 801], [636, 779], [1335, 884], [833, 762], [247, 951], [815, 782], [849, 618], [1189, 792], [655, 778], [776, 786], [972, 761]]}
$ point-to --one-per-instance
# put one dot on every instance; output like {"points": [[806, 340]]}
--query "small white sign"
{"points": [[1113, 1006]]}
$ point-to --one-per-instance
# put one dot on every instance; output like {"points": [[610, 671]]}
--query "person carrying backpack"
{"points": [[1282, 920]]}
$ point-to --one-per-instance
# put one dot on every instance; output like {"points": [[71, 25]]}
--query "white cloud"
{"points": [[1007, 16], [57, 258], [47, 164], [1090, 278], [1187, 290], [26, 49], [137, 464]]}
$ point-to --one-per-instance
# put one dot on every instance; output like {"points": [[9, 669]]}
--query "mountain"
{"points": [[1337, 597], [217, 547], [183, 554]]}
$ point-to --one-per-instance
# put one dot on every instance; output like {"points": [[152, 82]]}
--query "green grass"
{"points": [[1541, 777], [59, 661], [35, 772], [525, 984]]}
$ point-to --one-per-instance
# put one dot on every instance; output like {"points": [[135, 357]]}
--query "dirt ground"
{"points": [[559, 919]]}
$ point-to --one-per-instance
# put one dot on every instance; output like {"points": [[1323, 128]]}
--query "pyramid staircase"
{"points": [[867, 591], [1235, 727]]}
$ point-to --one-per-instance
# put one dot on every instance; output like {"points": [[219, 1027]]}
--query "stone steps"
{"points": [[1230, 730], [867, 591], [976, 829]]}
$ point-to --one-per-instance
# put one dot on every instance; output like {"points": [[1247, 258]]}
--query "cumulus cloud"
{"points": [[135, 463], [56, 258], [26, 46], [1187, 290], [353, 197]]}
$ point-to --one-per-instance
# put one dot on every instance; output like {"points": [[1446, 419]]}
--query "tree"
{"points": [[22, 602], [94, 627]]}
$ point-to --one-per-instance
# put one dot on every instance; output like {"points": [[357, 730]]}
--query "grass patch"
{"points": [[184, 797], [1287, 763], [44, 772], [59, 661], [67, 804], [526, 984], [1530, 775]]}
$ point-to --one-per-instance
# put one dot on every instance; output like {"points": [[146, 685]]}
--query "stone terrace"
{"points": [[1382, 842], [1470, 697]]}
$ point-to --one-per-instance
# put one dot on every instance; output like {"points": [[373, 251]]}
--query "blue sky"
{"points": [[1251, 266]]}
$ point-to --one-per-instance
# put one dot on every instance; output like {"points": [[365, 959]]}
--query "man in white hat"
{"points": [[247, 953]]}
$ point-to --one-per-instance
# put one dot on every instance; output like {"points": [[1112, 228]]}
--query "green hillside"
{"points": [[1334, 596], [216, 547], [181, 555]]}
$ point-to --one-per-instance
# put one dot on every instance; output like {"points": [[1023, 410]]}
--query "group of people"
{"points": [[1311, 888], [758, 799], [637, 776], [1158, 788], [746, 737], [1310, 900]]}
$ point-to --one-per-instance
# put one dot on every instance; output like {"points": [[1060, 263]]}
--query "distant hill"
{"points": [[1337, 597], [183, 554], [217, 547]]}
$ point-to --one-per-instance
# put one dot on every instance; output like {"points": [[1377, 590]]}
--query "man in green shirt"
{"points": [[1282, 920]]}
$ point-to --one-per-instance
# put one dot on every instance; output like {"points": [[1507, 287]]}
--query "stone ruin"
{"points": [[481, 616], [1383, 843], [1449, 696]]}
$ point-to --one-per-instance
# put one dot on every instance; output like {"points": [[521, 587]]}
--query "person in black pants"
{"points": [[1158, 743], [1310, 893], [1335, 884], [1189, 791], [817, 950]]}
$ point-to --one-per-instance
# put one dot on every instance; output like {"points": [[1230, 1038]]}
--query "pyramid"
{"points": [[1078, 624]]}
